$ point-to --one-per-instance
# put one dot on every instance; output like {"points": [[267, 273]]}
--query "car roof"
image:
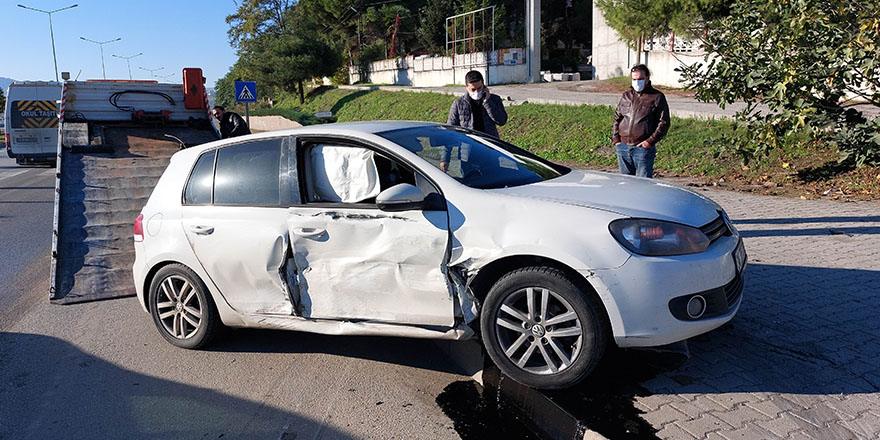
{"points": [[338, 128]]}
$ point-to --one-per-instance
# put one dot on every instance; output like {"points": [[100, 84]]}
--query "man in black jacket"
{"points": [[477, 109], [641, 120], [231, 123]]}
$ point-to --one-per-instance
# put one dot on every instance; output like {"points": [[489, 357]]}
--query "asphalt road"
{"points": [[100, 369], [26, 210]]}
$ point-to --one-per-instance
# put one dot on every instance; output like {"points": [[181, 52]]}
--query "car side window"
{"points": [[198, 188], [355, 175], [248, 174]]}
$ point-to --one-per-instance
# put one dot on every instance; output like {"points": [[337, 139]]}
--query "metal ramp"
{"points": [[102, 189]]}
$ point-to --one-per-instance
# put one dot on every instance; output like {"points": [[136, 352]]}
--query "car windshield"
{"points": [[474, 159]]}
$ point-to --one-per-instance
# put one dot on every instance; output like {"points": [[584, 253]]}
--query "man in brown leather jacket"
{"points": [[640, 121]]}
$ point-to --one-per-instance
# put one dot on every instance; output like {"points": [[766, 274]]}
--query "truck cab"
{"points": [[31, 115]]}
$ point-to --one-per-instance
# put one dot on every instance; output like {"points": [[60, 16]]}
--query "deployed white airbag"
{"points": [[343, 174]]}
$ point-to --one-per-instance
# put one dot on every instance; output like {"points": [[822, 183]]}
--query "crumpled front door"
{"points": [[366, 264]]}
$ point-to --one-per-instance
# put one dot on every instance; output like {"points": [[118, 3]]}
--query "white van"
{"points": [[32, 121]]}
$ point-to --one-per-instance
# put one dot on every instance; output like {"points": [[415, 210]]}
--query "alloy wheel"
{"points": [[178, 306], [538, 330]]}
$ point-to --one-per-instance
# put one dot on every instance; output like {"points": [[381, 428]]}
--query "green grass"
{"points": [[575, 135], [623, 81]]}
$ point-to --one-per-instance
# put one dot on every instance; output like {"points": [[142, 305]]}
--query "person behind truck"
{"points": [[640, 121], [477, 110], [231, 123]]}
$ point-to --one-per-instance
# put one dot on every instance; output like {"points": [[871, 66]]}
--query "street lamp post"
{"points": [[165, 77], [101, 43], [152, 75], [128, 60], [51, 31]]}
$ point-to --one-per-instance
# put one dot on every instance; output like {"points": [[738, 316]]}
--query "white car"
{"points": [[431, 231]]}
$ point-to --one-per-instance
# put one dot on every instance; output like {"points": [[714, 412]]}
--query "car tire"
{"points": [[521, 341], [182, 307], [9, 153]]}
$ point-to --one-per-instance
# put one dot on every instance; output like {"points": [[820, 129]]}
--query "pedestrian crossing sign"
{"points": [[245, 91]]}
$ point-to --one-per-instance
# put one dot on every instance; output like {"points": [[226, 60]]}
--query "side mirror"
{"points": [[401, 197]]}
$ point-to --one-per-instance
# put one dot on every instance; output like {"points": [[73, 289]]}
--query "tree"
{"points": [[257, 17], [637, 20], [808, 61], [285, 62], [432, 29], [2, 99]]}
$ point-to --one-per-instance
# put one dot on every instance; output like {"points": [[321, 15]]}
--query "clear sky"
{"points": [[171, 34]]}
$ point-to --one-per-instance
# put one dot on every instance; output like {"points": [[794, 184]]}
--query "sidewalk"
{"points": [[800, 360], [580, 93], [572, 93]]}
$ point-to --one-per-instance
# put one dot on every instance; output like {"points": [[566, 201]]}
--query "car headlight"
{"points": [[658, 238]]}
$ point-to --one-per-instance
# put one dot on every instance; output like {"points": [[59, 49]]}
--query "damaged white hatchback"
{"points": [[431, 231]]}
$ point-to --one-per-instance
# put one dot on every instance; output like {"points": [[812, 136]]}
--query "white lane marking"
{"points": [[48, 173], [8, 174]]}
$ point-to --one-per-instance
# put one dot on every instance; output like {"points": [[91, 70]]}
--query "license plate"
{"points": [[26, 140], [740, 257]]}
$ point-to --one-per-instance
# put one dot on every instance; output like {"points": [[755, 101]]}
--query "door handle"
{"points": [[309, 232], [202, 229]]}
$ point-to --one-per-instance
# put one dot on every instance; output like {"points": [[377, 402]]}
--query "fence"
{"points": [[504, 66]]}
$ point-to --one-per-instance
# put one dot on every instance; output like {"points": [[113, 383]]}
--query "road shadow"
{"points": [[417, 353], [853, 226], [51, 389], [803, 332], [849, 231]]}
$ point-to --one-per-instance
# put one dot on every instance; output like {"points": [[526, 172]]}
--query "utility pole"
{"points": [[533, 40], [152, 75], [51, 31], [101, 43], [128, 60]]}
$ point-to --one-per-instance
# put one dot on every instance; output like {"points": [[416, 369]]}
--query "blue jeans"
{"points": [[635, 160]]}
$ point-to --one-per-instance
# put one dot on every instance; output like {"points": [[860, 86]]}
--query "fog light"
{"points": [[696, 306]]}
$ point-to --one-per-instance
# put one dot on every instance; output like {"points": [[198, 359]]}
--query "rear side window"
{"points": [[248, 174], [198, 189]]}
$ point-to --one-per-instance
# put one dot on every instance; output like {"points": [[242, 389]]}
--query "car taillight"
{"points": [[8, 143], [139, 228]]}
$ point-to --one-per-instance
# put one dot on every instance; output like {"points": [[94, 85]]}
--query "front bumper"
{"points": [[638, 294]]}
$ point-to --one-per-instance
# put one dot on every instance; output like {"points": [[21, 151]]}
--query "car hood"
{"points": [[625, 195]]}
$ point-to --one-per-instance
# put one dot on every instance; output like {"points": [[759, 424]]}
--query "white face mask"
{"points": [[638, 85], [476, 95]]}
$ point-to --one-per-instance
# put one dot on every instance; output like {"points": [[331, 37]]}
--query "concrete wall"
{"points": [[612, 57], [438, 71]]}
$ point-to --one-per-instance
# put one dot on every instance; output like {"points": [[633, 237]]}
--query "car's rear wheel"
{"points": [[182, 307], [541, 329]]}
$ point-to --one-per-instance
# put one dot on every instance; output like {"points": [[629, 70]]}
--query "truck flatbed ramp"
{"points": [[107, 170], [101, 194]]}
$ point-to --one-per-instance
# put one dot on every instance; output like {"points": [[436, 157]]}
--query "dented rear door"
{"points": [[240, 235], [366, 264]]}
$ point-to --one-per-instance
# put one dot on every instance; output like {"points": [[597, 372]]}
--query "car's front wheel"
{"points": [[541, 330], [182, 307]]}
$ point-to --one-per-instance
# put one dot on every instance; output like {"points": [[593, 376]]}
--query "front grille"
{"points": [[733, 290], [716, 229]]}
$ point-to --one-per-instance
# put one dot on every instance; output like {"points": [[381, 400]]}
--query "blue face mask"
{"points": [[638, 85]]}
